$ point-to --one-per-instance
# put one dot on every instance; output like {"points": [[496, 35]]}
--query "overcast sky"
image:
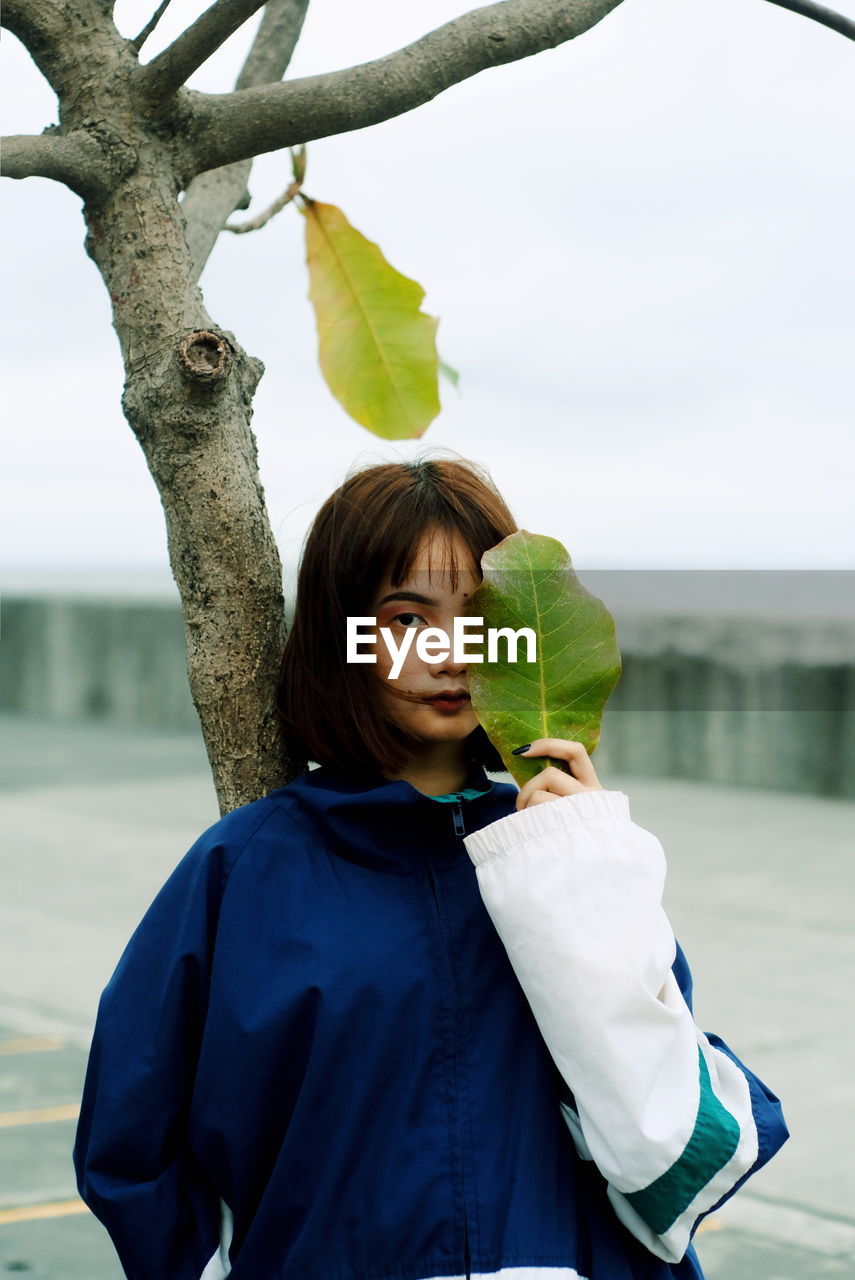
{"points": [[639, 246]]}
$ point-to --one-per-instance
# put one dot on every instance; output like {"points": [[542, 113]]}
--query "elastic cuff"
{"points": [[553, 817]]}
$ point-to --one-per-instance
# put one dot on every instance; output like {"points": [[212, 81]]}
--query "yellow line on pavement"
{"points": [[30, 1044], [38, 1212], [39, 1115], [710, 1224]]}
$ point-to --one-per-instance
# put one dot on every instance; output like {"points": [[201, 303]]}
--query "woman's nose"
{"points": [[449, 667]]}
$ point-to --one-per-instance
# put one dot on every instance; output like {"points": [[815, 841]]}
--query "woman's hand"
{"points": [[552, 783]]}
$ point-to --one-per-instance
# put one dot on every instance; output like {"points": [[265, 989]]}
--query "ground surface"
{"points": [[760, 883]]}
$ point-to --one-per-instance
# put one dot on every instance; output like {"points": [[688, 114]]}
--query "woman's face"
{"points": [[441, 711]]}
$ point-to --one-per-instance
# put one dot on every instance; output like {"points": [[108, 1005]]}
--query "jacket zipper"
{"points": [[432, 883], [467, 1256], [460, 831]]}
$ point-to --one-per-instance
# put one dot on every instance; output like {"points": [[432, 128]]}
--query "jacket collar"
{"points": [[390, 826]]}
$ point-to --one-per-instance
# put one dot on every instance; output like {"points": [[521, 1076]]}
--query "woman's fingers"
{"points": [[562, 749], [538, 797], [551, 783]]}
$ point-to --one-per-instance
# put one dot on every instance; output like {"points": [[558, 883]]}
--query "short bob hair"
{"points": [[367, 531]]}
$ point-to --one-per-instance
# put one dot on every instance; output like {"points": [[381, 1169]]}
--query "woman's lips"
{"points": [[450, 703]]}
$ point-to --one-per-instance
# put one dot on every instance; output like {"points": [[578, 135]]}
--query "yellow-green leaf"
{"points": [[529, 581], [377, 349]]}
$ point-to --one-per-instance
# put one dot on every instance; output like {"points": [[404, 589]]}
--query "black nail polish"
{"points": [[517, 751]]}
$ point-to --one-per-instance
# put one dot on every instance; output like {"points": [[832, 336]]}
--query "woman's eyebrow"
{"points": [[412, 596]]}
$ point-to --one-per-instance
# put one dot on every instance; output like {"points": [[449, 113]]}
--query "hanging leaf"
{"points": [[529, 581], [377, 349]]}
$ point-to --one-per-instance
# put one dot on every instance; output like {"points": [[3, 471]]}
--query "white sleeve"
{"points": [[574, 889], [219, 1266]]}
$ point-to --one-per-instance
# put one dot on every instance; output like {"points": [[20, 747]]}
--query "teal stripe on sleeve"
{"points": [[714, 1139]]}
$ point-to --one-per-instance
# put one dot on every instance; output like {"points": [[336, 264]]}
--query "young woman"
{"points": [[396, 1021]]}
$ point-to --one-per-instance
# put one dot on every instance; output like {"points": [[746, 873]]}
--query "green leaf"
{"points": [[529, 581], [377, 349], [450, 374]]}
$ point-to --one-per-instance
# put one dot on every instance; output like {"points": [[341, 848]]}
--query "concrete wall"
{"points": [[764, 702], [73, 660]]}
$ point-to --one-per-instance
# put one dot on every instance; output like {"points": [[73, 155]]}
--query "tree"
{"points": [[131, 139]]}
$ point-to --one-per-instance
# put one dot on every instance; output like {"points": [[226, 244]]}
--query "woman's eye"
{"points": [[408, 619]]}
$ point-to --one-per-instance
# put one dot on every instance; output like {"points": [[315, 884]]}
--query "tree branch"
{"points": [[34, 15], [41, 27], [274, 44], [74, 159], [168, 71], [248, 122], [262, 219], [139, 41], [212, 197], [819, 13]]}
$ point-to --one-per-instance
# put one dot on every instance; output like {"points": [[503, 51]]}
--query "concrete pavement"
{"points": [[759, 894]]}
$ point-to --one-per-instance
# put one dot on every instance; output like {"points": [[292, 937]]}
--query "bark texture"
{"points": [[130, 139], [188, 395], [188, 398]]}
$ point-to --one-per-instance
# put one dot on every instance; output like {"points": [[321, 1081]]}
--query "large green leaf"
{"points": [[529, 581], [377, 349]]}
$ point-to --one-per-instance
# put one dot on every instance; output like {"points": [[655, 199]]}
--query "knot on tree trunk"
{"points": [[205, 358]]}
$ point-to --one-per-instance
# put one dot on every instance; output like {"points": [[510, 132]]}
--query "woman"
{"points": [[396, 1021]]}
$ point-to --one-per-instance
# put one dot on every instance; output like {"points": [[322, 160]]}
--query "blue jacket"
{"points": [[319, 1035]]}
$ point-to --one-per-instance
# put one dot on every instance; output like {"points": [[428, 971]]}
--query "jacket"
{"points": [[362, 1035]]}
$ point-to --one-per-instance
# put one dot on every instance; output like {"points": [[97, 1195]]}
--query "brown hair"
{"points": [[368, 530]]}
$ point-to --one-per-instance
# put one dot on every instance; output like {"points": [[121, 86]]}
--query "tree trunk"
{"points": [[130, 137], [188, 398]]}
